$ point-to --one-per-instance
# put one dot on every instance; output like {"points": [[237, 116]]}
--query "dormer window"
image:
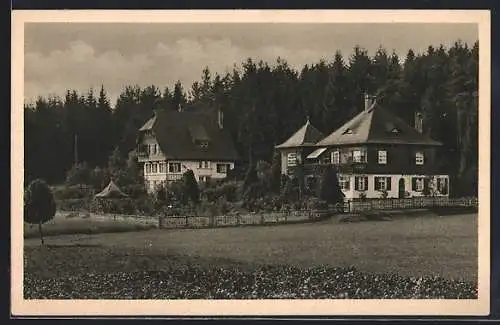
{"points": [[347, 131], [395, 130], [419, 158], [204, 144], [382, 157]]}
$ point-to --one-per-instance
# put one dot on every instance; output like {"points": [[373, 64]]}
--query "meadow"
{"points": [[414, 257]]}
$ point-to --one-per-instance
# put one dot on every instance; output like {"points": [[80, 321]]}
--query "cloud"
{"points": [[79, 66]]}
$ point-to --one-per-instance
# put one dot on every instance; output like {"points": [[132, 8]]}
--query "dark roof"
{"points": [[179, 135], [306, 136], [376, 125]]}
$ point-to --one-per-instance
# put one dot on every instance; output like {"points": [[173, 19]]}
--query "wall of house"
{"points": [[146, 155], [400, 159], [372, 193], [156, 179], [284, 159]]}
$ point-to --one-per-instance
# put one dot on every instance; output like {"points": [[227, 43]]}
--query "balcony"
{"points": [[174, 177], [317, 169]]}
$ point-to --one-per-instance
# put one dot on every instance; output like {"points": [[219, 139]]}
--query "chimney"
{"points": [[419, 122], [220, 118]]}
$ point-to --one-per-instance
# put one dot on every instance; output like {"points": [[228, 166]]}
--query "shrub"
{"points": [[250, 177], [39, 204], [329, 189], [78, 174], [135, 190], [315, 203], [290, 191], [191, 189], [176, 192], [72, 192]]}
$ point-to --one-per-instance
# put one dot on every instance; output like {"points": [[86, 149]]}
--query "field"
{"points": [[383, 251]]}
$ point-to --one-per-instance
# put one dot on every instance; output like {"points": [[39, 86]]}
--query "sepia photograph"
{"points": [[242, 162]]}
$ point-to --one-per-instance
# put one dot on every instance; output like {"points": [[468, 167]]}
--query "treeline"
{"points": [[265, 103]]}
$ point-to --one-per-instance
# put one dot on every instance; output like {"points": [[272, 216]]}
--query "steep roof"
{"points": [[376, 125], [111, 191], [179, 135], [306, 136]]}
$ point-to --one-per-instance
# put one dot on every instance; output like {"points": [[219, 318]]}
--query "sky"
{"points": [[60, 56]]}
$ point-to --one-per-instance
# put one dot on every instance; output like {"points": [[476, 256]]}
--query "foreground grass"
{"points": [[79, 272], [407, 258], [433, 246]]}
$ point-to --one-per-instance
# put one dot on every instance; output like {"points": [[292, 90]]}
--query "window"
{"points": [[361, 183], [382, 184], [204, 164], [442, 185], [344, 182], [204, 144], [347, 131], [148, 168], [205, 179], [222, 168], [417, 184], [325, 160], [163, 168], [174, 167], [419, 158], [292, 159], [336, 157], [154, 168], [382, 157], [358, 156]]}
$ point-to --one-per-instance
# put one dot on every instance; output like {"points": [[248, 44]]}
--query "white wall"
{"points": [[394, 192], [185, 166]]}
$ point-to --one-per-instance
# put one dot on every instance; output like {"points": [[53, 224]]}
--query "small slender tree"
{"points": [[191, 187], [39, 204]]}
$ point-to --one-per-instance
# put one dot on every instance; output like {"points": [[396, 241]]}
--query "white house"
{"points": [[376, 155], [172, 142]]}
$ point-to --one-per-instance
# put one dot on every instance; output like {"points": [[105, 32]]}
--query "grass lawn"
{"points": [[426, 246], [62, 225]]}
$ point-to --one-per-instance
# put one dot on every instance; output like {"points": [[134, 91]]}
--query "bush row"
{"points": [[266, 282]]}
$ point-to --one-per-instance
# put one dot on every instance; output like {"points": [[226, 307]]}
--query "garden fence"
{"points": [[355, 206]]}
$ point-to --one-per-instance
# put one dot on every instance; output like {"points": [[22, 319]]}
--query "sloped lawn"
{"points": [[414, 258]]}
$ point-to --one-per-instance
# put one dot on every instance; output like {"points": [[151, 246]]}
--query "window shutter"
{"points": [[377, 184], [356, 184], [413, 184], [445, 189], [366, 183], [388, 182]]}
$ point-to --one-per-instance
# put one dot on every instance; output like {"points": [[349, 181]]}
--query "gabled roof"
{"points": [[376, 125], [306, 136], [111, 191], [179, 135]]}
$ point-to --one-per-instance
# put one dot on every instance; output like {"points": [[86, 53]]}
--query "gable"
{"points": [[183, 135]]}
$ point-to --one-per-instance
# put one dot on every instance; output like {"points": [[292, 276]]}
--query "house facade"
{"points": [[378, 155], [300, 145], [173, 142]]}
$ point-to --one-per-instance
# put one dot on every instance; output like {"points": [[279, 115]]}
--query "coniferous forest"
{"points": [[266, 102]]}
